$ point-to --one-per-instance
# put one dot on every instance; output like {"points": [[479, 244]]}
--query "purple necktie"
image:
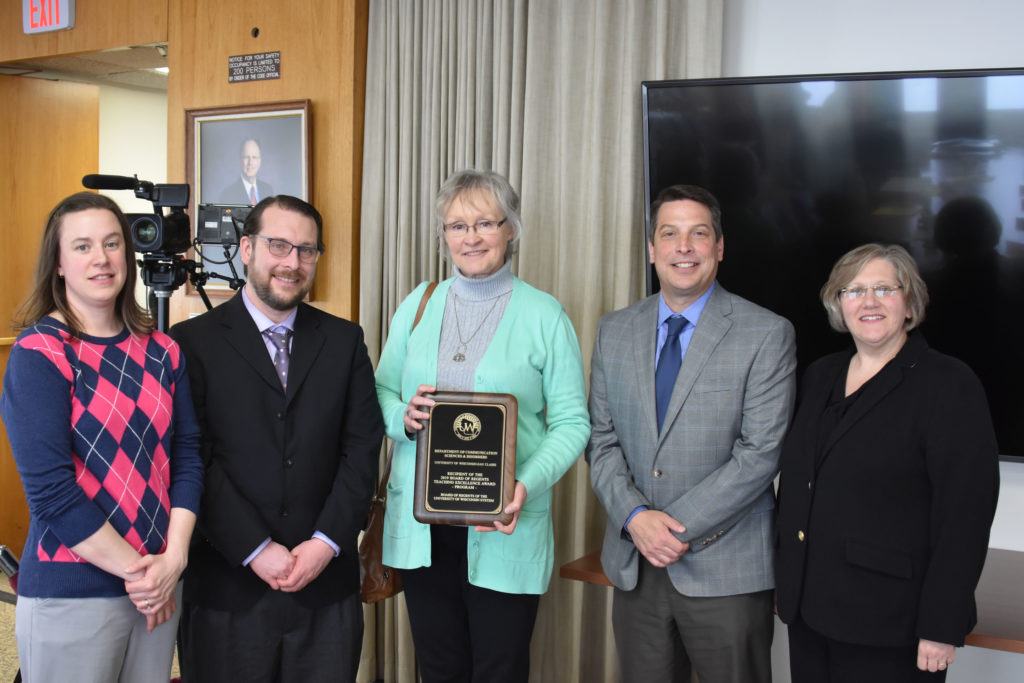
{"points": [[279, 337]]}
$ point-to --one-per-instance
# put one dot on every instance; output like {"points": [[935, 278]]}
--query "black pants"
{"points": [[274, 641], [463, 633], [814, 658]]}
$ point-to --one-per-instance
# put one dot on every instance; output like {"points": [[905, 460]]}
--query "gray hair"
{"points": [[500, 190], [915, 292]]}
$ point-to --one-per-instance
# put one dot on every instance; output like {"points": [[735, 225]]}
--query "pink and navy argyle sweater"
{"points": [[102, 430]]}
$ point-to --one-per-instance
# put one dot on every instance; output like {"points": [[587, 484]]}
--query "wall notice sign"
{"points": [[39, 16], [262, 66]]}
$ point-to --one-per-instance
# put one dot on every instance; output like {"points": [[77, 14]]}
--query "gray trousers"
{"points": [[92, 640], [663, 636]]}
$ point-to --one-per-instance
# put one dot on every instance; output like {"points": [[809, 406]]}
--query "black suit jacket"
{"points": [[279, 464], [883, 534], [235, 192]]}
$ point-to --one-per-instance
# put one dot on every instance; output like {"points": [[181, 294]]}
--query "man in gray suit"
{"points": [[688, 417]]}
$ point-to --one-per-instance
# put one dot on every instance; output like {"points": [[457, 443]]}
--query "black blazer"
{"points": [[881, 538], [235, 192], [279, 464]]}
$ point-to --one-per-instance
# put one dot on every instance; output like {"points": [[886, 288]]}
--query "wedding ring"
{"points": [[149, 605]]}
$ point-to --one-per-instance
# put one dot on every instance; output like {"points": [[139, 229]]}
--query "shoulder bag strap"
{"points": [[382, 489]]}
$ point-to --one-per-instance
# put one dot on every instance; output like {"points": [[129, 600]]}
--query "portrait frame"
{"points": [[214, 142]]}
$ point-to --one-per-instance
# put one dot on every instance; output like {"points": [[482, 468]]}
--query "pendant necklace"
{"points": [[460, 356]]}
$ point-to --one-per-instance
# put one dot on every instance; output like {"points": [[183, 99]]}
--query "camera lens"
{"points": [[145, 233]]}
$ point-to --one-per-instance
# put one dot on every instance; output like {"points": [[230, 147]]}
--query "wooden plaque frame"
{"points": [[466, 459]]}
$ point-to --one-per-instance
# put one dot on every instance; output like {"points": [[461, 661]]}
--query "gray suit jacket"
{"points": [[713, 465]]}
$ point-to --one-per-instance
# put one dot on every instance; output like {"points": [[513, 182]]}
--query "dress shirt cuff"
{"points": [[259, 549], [323, 537], [625, 526]]}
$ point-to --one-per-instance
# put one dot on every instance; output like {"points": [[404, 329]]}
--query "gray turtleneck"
{"points": [[472, 311]]}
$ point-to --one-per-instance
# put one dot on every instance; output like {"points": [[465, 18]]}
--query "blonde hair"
{"points": [[494, 184], [915, 292]]}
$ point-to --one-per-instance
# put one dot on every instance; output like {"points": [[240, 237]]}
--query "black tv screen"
{"points": [[808, 167]]}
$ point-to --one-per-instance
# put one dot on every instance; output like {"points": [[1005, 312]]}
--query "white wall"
{"points": [[779, 37], [774, 37], [133, 141]]}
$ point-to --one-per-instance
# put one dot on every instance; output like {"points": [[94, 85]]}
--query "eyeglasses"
{"points": [[881, 291], [282, 248], [483, 227]]}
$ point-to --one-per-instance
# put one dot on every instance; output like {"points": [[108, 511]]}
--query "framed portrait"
{"points": [[234, 158]]}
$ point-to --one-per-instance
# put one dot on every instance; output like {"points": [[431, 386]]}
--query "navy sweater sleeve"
{"points": [[36, 408]]}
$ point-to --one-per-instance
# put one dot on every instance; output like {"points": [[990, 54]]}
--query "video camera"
{"points": [[152, 232], [220, 224], [160, 233], [162, 238]]}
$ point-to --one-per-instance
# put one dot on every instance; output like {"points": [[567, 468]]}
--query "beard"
{"points": [[265, 292]]}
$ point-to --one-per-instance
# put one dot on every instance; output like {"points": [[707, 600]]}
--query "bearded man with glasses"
{"points": [[285, 398]]}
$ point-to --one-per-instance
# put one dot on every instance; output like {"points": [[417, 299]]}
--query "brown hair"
{"points": [[254, 221], [915, 292], [48, 290], [677, 193]]}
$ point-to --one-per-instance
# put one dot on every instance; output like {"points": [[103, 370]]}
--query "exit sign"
{"points": [[39, 16]]}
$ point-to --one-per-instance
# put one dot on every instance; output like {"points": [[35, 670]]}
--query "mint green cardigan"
{"points": [[535, 356]]}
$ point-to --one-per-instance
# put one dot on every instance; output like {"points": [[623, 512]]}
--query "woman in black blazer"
{"points": [[889, 482]]}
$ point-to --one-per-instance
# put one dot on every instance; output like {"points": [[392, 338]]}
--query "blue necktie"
{"points": [[668, 366]]}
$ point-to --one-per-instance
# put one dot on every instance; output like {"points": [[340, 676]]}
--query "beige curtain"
{"points": [[548, 93]]}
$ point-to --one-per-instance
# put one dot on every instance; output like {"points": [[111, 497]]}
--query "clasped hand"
{"points": [[151, 583], [292, 570], [933, 656], [653, 534]]}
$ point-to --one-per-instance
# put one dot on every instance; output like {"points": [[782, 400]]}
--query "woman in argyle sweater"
{"points": [[97, 409]]}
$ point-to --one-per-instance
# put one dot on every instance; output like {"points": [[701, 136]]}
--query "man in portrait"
{"points": [[247, 188]]}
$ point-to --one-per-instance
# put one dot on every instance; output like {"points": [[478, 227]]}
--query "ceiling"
{"points": [[127, 67]]}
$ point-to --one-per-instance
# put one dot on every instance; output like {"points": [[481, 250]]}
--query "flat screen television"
{"points": [[808, 167]]}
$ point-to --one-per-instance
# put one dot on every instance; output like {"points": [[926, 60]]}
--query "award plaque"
{"points": [[466, 459]]}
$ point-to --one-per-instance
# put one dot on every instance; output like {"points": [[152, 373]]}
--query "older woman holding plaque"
{"points": [[888, 488], [473, 593]]}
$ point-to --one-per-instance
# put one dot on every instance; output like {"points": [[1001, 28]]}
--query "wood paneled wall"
{"points": [[99, 25], [49, 134], [323, 59], [48, 131], [13, 510]]}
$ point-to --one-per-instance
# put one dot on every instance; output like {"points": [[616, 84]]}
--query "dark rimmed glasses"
{"points": [[282, 248]]}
